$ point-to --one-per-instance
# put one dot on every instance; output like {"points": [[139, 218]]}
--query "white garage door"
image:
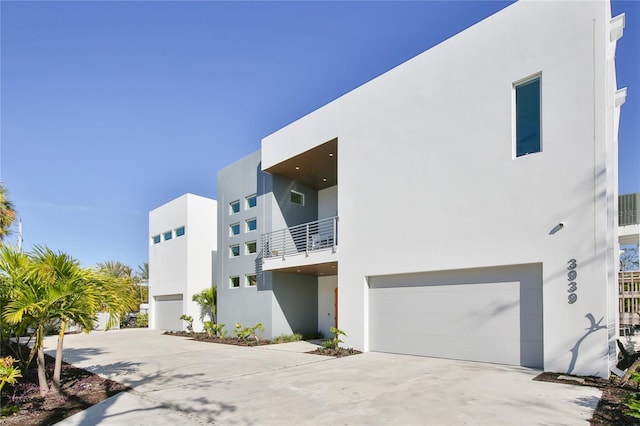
{"points": [[168, 312], [484, 314]]}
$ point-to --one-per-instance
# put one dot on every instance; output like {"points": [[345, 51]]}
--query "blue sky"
{"points": [[111, 109]]}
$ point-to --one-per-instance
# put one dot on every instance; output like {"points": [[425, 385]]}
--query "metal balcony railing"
{"points": [[305, 238]]}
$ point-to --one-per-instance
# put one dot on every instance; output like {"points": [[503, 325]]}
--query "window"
{"points": [[156, 239], [528, 117], [234, 282], [250, 247], [251, 281], [251, 224], [297, 198], [234, 250], [234, 207], [251, 201], [180, 231], [168, 235], [234, 229]]}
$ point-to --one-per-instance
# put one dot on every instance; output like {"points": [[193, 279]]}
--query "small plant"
{"points": [[212, 329], [334, 343], [285, 338], [8, 373], [244, 333], [632, 400], [143, 320], [189, 320]]}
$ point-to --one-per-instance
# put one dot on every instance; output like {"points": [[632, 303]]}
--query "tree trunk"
{"points": [[57, 367], [42, 376]]}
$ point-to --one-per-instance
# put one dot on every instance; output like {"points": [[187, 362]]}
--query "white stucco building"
{"points": [[475, 189], [182, 251]]}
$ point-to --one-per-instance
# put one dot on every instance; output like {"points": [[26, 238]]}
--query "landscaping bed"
{"points": [[22, 404]]}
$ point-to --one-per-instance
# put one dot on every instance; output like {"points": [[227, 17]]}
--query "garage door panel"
{"points": [[449, 316], [168, 309]]}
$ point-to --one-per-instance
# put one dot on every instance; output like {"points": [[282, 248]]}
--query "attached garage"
{"points": [[483, 314], [168, 309]]}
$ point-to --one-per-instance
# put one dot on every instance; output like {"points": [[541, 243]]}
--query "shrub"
{"points": [[189, 320], [244, 333], [212, 329], [287, 338], [334, 343], [8, 373], [143, 320]]}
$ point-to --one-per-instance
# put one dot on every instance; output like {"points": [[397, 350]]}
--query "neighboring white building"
{"points": [[477, 197], [182, 250]]}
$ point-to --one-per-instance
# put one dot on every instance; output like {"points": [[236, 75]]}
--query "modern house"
{"points": [[182, 257], [462, 205]]}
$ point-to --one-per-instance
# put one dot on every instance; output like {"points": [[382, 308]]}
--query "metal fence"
{"points": [[307, 237]]}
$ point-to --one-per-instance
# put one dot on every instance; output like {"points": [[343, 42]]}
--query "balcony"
{"points": [[302, 245]]}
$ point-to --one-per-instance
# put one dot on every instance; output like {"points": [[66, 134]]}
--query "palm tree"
{"points": [[115, 269], [7, 213], [207, 299], [57, 288], [142, 274]]}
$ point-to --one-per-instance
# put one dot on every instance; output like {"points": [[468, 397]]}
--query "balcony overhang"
{"points": [[629, 234], [316, 168], [317, 269]]}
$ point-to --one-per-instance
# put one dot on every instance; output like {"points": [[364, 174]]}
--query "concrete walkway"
{"points": [[180, 381]]}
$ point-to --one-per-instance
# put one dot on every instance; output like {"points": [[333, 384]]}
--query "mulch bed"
{"points": [[338, 353], [80, 390], [202, 337], [610, 409]]}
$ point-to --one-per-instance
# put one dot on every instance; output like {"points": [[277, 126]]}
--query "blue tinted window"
{"points": [[180, 231], [234, 251], [251, 201], [528, 117], [251, 225], [234, 207], [234, 229], [168, 235], [156, 239]]}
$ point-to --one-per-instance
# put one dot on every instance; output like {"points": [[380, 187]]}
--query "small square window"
{"points": [[168, 235], [234, 282], [251, 247], [251, 224], [234, 250], [251, 201], [180, 231], [234, 229], [252, 281], [156, 239], [297, 198], [234, 207]]}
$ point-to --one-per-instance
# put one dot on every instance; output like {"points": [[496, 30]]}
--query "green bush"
{"points": [[142, 320], [189, 320], [285, 338], [334, 343], [212, 329], [244, 333]]}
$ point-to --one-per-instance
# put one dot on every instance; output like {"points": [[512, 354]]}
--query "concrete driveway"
{"points": [[179, 381]]}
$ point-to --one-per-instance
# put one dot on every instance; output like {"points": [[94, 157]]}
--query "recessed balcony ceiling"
{"points": [[317, 269], [317, 167]]}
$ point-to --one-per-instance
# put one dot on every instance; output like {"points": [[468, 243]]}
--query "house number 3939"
{"points": [[572, 266]]}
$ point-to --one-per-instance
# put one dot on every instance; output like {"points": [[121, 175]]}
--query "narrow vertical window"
{"points": [[528, 117]]}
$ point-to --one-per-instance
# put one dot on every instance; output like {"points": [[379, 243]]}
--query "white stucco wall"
{"points": [[182, 265], [433, 139]]}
